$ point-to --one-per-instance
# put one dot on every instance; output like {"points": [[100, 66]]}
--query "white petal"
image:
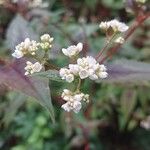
{"points": [[62, 72], [79, 61], [77, 106], [66, 91], [123, 27], [70, 78], [37, 67], [91, 72], [93, 77], [74, 68], [102, 68], [17, 54], [91, 60], [83, 74], [65, 52], [120, 40], [66, 107], [103, 75], [78, 97], [26, 73], [80, 46]]}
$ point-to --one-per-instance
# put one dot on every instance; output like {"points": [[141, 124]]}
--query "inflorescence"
{"points": [[83, 68]]}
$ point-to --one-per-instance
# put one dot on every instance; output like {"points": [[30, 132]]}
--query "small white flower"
{"points": [[46, 41], [118, 26], [66, 74], [103, 75], [74, 68], [32, 68], [66, 95], [78, 97], [115, 25], [85, 67], [17, 54], [120, 40], [77, 106], [86, 98], [88, 67], [73, 50], [70, 78], [102, 68], [46, 38], [37, 67], [100, 72], [104, 25], [83, 73], [26, 47], [93, 77], [66, 107], [73, 100]]}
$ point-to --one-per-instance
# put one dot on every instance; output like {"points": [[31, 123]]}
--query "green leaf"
{"points": [[132, 124], [50, 74], [16, 101], [18, 30], [128, 102]]}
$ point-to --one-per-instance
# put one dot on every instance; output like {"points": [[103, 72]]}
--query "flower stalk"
{"points": [[139, 20]]}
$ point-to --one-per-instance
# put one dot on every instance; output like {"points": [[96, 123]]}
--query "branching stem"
{"points": [[105, 47], [139, 20]]}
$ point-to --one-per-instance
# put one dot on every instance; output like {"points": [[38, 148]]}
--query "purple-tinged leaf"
{"points": [[13, 76], [18, 30], [128, 71]]}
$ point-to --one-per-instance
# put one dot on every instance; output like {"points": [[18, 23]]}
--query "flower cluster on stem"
{"points": [[26, 47], [31, 48], [85, 67], [73, 100], [114, 25], [32, 68]]}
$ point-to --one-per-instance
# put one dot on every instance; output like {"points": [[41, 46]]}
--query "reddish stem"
{"points": [[139, 20], [101, 52], [109, 40]]}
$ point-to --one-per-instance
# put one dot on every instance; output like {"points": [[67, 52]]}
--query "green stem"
{"points": [[106, 46], [78, 86]]}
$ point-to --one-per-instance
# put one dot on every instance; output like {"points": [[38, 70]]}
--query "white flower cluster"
{"points": [[32, 68], [73, 50], [73, 101], [26, 47], [46, 41], [85, 67], [116, 25], [30, 47], [66, 74]]}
